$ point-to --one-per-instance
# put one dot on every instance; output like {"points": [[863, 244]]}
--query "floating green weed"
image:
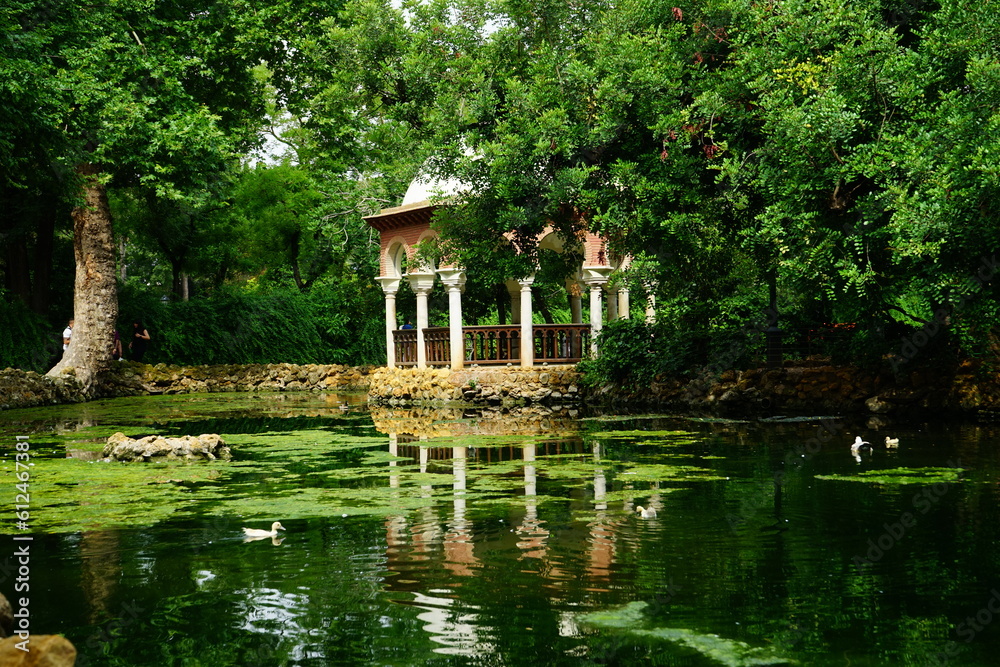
{"points": [[631, 620], [928, 475], [632, 435]]}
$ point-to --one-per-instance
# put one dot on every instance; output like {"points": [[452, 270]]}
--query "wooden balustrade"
{"points": [[496, 344], [438, 346], [406, 346], [561, 343]]}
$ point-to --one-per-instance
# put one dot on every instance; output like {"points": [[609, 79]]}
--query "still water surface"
{"points": [[450, 537]]}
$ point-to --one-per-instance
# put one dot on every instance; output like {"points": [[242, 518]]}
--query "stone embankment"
{"points": [[23, 389], [800, 387], [477, 386], [812, 386]]}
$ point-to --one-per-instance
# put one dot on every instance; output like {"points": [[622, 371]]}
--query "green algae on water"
{"points": [[631, 621], [929, 475]]}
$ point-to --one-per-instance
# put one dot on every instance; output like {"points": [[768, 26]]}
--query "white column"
{"points": [[595, 277], [612, 304], [527, 331], [623, 303], [390, 286], [422, 282], [595, 316], [454, 281]]}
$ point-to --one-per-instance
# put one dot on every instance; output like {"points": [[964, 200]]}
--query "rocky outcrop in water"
{"points": [[206, 447], [45, 651]]}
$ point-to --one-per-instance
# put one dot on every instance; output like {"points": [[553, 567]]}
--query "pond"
{"points": [[464, 538]]}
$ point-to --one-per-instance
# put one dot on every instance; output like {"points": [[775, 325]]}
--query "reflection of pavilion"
{"points": [[435, 556], [522, 342]]}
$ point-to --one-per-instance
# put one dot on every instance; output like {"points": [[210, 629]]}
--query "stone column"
{"points": [[527, 331], [389, 287], [612, 304], [623, 303], [595, 277], [422, 282], [454, 281]]}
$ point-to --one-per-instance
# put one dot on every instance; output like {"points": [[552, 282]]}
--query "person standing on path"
{"points": [[140, 341], [67, 334]]}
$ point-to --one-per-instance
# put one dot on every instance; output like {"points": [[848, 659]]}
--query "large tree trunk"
{"points": [[95, 293]]}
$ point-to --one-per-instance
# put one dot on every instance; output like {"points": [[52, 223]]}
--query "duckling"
{"points": [[891, 442], [258, 533], [646, 512]]}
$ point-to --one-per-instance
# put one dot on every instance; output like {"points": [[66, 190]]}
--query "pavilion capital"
{"points": [[389, 284], [596, 275], [421, 281], [452, 277]]}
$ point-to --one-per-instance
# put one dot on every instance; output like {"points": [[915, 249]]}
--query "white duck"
{"points": [[891, 442], [257, 533], [860, 446], [646, 512]]}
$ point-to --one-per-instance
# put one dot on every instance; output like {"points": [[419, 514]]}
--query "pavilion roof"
{"points": [[388, 219]]}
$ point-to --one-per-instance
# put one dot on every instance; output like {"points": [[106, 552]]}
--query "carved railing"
{"points": [[438, 346], [561, 343], [405, 341], [493, 344], [496, 344]]}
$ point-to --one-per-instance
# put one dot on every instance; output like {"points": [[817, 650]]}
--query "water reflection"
{"points": [[482, 537], [551, 554]]}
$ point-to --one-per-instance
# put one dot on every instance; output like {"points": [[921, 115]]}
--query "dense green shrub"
{"points": [[239, 326], [634, 352], [27, 341]]}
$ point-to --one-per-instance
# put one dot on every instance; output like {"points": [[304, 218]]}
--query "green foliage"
{"points": [[634, 352], [239, 326], [27, 340]]}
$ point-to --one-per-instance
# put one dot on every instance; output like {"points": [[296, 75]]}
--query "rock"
{"points": [[877, 405], [44, 651], [6, 617], [208, 446]]}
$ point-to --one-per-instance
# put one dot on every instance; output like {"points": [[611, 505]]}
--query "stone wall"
{"points": [[803, 387], [24, 389], [478, 386], [813, 387]]}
